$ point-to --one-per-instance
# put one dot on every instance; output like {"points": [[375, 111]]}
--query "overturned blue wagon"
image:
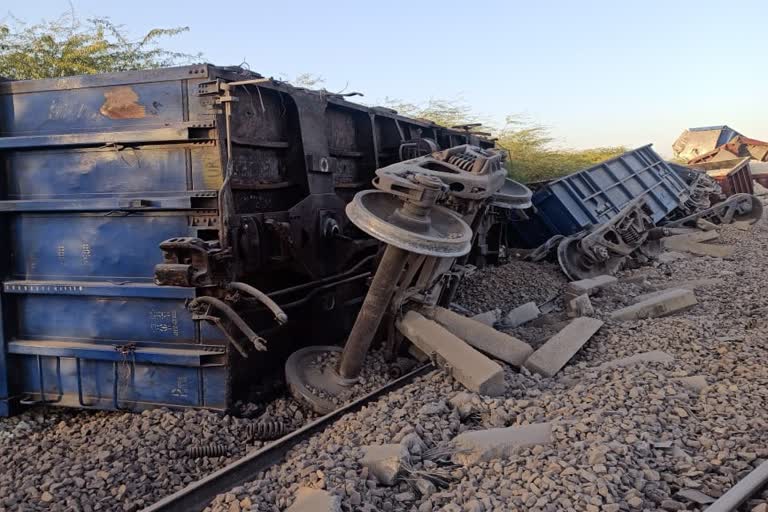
{"points": [[595, 218], [144, 215]]}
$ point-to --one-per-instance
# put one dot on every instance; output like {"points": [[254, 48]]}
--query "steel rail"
{"points": [[198, 495], [742, 491]]}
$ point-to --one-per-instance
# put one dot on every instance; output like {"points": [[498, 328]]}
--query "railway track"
{"points": [[196, 496], [639, 423], [747, 488]]}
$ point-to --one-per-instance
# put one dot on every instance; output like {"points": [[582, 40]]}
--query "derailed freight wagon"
{"points": [[734, 176], [243, 181], [594, 218]]}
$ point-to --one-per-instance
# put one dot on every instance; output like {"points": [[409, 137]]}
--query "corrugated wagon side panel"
{"points": [[97, 171], [597, 194], [734, 175]]}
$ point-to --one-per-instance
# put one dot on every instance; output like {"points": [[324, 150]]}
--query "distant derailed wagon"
{"points": [[695, 142]]}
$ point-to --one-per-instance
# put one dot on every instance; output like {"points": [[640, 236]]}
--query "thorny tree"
{"points": [[533, 151], [71, 46]]}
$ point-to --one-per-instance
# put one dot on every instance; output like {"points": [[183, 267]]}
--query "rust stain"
{"points": [[122, 103], [212, 178]]}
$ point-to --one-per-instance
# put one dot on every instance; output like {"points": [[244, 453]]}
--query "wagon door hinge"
{"points": [[222, 93]]}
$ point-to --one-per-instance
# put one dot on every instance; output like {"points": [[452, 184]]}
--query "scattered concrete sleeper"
{"points": [[671, 301], [483, 337], [474, 370], [560, 348], [522, 314]]}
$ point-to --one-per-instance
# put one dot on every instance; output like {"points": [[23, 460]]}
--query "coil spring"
{"points": [[462, 161], [629, 235], [266, 430], [209, 450]]}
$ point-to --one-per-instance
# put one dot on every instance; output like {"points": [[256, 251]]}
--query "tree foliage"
{"points": [[534, 156], [69, 45], [533, 152], [445, 112]]}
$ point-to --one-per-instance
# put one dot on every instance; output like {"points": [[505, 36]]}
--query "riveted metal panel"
{"points": [[97, 171], [90, 247]]}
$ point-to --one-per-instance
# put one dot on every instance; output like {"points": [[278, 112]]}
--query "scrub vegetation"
{"points": [[70, 45], [534, 154]]}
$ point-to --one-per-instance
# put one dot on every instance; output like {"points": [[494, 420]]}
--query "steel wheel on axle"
{"points": [[576, 264]]}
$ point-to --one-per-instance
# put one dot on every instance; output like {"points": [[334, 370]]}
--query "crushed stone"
{"points": [[624, 438]]}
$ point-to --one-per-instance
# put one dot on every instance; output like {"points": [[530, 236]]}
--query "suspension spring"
{"points": [[266, 430], [629, 235], [209, 450], [462, 161]]}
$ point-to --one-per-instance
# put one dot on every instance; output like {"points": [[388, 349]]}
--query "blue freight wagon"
{"points": [[595, 195], [158, 226]]}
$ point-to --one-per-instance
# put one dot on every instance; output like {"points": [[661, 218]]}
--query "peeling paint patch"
{"points": [[122, 103]]}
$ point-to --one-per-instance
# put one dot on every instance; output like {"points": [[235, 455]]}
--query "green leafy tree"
{"points": [[445, 112], [533, 155], [68, 46], [533, 151]]}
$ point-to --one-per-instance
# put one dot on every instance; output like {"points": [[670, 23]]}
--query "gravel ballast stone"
{"points": [[625, 437]]}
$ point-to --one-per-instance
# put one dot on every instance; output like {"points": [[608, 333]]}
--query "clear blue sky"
{"points": [[597, 72]]}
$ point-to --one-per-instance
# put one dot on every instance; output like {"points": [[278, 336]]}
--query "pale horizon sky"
{"points": [[598, 73]]}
